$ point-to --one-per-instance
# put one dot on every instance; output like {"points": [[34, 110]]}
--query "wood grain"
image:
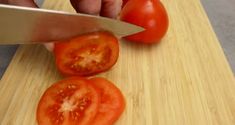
{"points": [[185, 80]]}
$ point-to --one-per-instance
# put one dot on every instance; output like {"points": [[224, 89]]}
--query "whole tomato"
{"points": [[149, 14]]}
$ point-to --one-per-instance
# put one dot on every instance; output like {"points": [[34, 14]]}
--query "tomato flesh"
{"points": [[87, 54], [89, 59], [69, 102], [112, 102]]}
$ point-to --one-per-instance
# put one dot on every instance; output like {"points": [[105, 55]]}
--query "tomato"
{"points": [[87, 54], [71, 101], [149, 14], [112, 102], [81, 101], [124, 2]]}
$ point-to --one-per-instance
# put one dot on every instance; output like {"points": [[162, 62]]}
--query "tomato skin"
{"points": [[124, 2], [149, 14], [87, 54], [112, 102], [61, 103]]}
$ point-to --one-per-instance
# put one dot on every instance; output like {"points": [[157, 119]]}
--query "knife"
{"points": [[23, 25]]}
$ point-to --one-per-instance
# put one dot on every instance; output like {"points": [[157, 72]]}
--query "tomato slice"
{"points": [[112, 102], [87, 54], [71, 101]]}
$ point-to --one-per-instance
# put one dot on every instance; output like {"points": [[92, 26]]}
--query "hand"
{"points": [[108, 8]]}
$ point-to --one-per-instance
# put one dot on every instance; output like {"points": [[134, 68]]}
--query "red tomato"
{"points": [[149, 14], [112, 102], [69, 102], [87, 54], [124, 2]]}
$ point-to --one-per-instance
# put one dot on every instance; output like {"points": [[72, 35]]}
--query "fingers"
{"points": [[108, 8], [111, 8], [87, 6], [3, 1], [27, 3]]}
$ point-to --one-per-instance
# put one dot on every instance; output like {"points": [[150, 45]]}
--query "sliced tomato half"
{"points": [[71, 101], [112, 102], [87, 54]]}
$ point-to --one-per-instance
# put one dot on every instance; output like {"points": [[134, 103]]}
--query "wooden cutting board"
{"points": [[185, 80]]}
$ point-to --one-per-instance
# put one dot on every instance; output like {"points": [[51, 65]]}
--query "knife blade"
{"points": [[23, 25]]}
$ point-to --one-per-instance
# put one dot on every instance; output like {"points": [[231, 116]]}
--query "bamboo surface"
{"points": [[185, 80]]}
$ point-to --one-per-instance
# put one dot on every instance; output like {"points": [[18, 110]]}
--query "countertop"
{"points": [[220, 13]]}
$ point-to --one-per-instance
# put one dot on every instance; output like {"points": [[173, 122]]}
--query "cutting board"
{"points": [[184, 80]]}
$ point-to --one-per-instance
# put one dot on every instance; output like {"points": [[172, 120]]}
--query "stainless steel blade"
{"points": [[22, 25]]}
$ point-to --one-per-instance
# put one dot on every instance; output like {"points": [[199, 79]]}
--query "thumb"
{"points": [[87, 6]]}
